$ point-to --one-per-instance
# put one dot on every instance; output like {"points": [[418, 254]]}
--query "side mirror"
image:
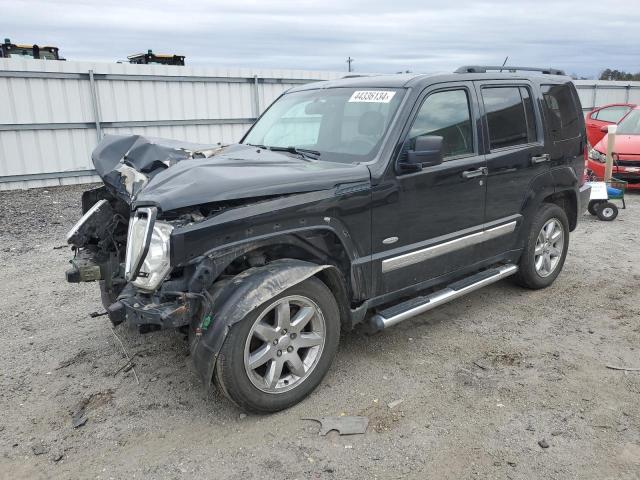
{"points": [[605, 129], [427, 152]]}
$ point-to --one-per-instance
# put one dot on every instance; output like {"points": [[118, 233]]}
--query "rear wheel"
{"points": [[545, 248], [279, 353], [607, 211]]}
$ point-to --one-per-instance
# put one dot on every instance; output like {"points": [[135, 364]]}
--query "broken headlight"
{"points": [[156, 263], [138, 240], [75, 232], [147, 263]]}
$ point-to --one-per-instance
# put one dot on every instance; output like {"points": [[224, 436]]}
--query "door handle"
{"points": [[476, 172], [545, 157]]}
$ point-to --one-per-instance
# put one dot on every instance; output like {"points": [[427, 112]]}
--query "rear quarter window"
{"points": [[562, 112]]}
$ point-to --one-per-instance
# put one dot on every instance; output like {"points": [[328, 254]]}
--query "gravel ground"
{"points": [[504, 383]]}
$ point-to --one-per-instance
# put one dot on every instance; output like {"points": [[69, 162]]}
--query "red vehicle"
{"points": [[626, 155], [599, 118]]}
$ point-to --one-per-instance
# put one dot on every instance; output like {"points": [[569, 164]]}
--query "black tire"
{"points": [[527, 275], [230, 373], [593, 206], [607, 211]]}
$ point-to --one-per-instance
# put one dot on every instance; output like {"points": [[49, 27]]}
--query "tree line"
{"points": [[609, 74]]}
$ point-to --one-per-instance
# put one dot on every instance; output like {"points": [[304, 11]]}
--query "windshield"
{"points": [[336, 124], [630, 125]]}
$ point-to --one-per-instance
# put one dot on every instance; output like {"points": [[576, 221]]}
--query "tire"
{"points": [[607, 211], [593, 206], [252, 340], [534, 272]]}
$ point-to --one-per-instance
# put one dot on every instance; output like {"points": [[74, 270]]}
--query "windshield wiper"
{"points": [[303, 152]]}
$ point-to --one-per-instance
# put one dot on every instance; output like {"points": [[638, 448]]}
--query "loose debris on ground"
{"points": [[344, 425], [482, 380]]}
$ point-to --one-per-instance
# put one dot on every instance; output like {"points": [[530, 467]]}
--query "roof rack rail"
{"points": [[507, 68]]}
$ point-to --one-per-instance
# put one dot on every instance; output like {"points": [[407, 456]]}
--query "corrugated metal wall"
{"points": [[52, 113], [594, 93]]}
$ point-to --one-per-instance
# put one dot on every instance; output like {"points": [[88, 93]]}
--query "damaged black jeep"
{"points": [[362, 200]]}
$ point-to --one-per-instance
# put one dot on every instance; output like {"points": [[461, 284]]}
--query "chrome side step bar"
{"points": [[415, 306]]}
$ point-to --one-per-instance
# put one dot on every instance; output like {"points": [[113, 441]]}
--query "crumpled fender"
{"points": [[237, 299]]}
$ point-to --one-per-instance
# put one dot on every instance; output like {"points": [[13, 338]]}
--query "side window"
{"points": [[611, 114], [510, 116], [446, 114], [562, 112]]}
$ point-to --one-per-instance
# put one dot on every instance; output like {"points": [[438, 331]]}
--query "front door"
{"points": [[428, 223]]}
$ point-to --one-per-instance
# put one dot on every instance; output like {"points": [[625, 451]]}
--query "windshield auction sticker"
{"points": [[372, 96]]}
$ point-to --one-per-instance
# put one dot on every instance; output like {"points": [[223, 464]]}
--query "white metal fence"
{"points": [[594, 93], [53, 113]]}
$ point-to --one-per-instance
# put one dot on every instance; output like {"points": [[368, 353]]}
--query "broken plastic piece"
{"points": [[347, 425]]}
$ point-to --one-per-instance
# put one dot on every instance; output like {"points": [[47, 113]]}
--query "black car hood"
{"points": [[171, 174]]}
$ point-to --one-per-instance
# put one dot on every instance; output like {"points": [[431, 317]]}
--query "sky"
{"points": [[581, 37]]}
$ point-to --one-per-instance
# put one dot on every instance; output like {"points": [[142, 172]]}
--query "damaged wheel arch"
{"points": [[240, 296]]}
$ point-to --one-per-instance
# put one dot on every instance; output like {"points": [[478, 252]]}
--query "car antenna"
{"points": [[505, 62]]}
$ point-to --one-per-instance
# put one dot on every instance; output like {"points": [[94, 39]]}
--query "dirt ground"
{"points": [[483, 381]]}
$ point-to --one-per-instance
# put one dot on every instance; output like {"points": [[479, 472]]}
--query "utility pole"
{"points": [[349, 62]]}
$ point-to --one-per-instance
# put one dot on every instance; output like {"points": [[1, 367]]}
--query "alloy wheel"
{"points": [[284, 344], [549, 247]]}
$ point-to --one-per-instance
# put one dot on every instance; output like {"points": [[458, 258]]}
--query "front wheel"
{"points": [[279, 353], [545, 248]]}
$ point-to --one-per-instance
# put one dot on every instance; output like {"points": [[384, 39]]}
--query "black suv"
{"points": [[361, 200]]}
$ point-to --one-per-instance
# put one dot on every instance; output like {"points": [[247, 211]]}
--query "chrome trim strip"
{"points": [[443, 296], [423, 254]]}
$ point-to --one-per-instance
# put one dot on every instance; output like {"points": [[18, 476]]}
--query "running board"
{"points": [[415, 306]]}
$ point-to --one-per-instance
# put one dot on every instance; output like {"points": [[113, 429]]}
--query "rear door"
{"points": [[515, 153]]}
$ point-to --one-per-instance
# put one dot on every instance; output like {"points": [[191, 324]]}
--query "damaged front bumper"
{"points": [[150, 313]]}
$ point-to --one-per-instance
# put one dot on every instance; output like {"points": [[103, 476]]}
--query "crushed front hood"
{"points": [[171, 174]]}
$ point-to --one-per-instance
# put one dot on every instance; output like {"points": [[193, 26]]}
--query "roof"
{"points": [[406, 80]]}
